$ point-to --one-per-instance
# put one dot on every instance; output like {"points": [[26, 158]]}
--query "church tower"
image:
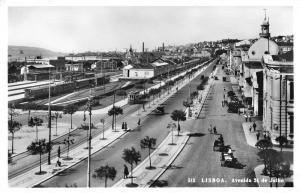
{"points": [[265, 27]]}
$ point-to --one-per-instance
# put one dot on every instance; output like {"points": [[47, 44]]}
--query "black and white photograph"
{"points": [[148, 96]]}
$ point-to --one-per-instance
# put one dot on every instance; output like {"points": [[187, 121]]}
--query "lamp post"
{"points": [[49, 119], [89, 140]]}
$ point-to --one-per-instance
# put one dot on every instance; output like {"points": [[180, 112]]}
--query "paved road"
{"points": [[153, 126], [198, 161]]}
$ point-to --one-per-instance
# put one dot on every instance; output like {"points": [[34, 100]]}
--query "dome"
{"points": [[260, 47]]}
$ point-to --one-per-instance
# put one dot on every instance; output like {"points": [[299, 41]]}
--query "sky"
{"points": [[79, 29]]}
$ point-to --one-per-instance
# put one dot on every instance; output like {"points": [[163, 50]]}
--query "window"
{"points": [[136, 74], [291, 90], [146, 73]]}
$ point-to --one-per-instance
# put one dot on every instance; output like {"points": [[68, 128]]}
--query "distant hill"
{"points": [[20, 52]]}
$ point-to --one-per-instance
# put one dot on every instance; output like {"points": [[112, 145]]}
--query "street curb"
{"points": [[169, 163], [36, 184]]}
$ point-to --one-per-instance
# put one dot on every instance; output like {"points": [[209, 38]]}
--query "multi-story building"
{"points": [[278, 116]]}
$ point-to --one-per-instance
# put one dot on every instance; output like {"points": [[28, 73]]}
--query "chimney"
{"points": [[143, 49]]}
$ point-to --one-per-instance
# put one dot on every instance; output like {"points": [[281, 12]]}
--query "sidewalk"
{"points": [[251, 136], [198, 105], [161, 159], [30, 179]]}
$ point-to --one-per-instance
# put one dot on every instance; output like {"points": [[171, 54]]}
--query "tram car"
{"points": [[134, 97]]}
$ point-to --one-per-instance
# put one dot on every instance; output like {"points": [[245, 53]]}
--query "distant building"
{"points": [[59, 64], [285, 47], [74, 66], [146, 70]]}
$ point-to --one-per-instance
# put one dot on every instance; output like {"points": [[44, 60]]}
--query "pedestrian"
{"points": [[58, 152], [215, 130], [126, 172], [254, 126], [257, 135], [250, 128], [222, 103], [126, 126], [58, 163], [123, 126], [265, 136], [139, 122], [246, 117]]}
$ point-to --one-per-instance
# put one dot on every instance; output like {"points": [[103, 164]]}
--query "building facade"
{"points": [[278, 117]]}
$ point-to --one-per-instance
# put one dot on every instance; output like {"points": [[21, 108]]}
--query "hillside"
{"points": [[20, 52]]}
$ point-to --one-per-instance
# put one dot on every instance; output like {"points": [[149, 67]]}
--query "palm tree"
{"points": [[149, 143], [70, 109], [56, 116], [37, 122], [178, 115], [105, 172], [13, 126], [281, 140], [115, 111], [131, 156], [171, 126]]}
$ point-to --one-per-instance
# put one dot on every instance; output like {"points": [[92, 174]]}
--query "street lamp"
{"points": [[49, 119], [89, 106]]}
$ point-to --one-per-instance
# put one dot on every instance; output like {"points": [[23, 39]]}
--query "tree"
{"points": [[171, 126], [56, 115], [70, 109], [178, 115], [131, 156], [105, 172], [39, 147], [115, 111], [281, 140], [264, 144], [13, 126], [36, 121], [148, 143]]}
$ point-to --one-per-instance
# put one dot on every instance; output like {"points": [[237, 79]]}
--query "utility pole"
{"points": [[49, 119], [89, 140]]}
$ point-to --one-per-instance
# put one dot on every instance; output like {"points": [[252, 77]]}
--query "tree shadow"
{"points": [[132, 185], [150, 168], [172, 167], [40, 173], [196, 134], [158, 183], [163, 154]]}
